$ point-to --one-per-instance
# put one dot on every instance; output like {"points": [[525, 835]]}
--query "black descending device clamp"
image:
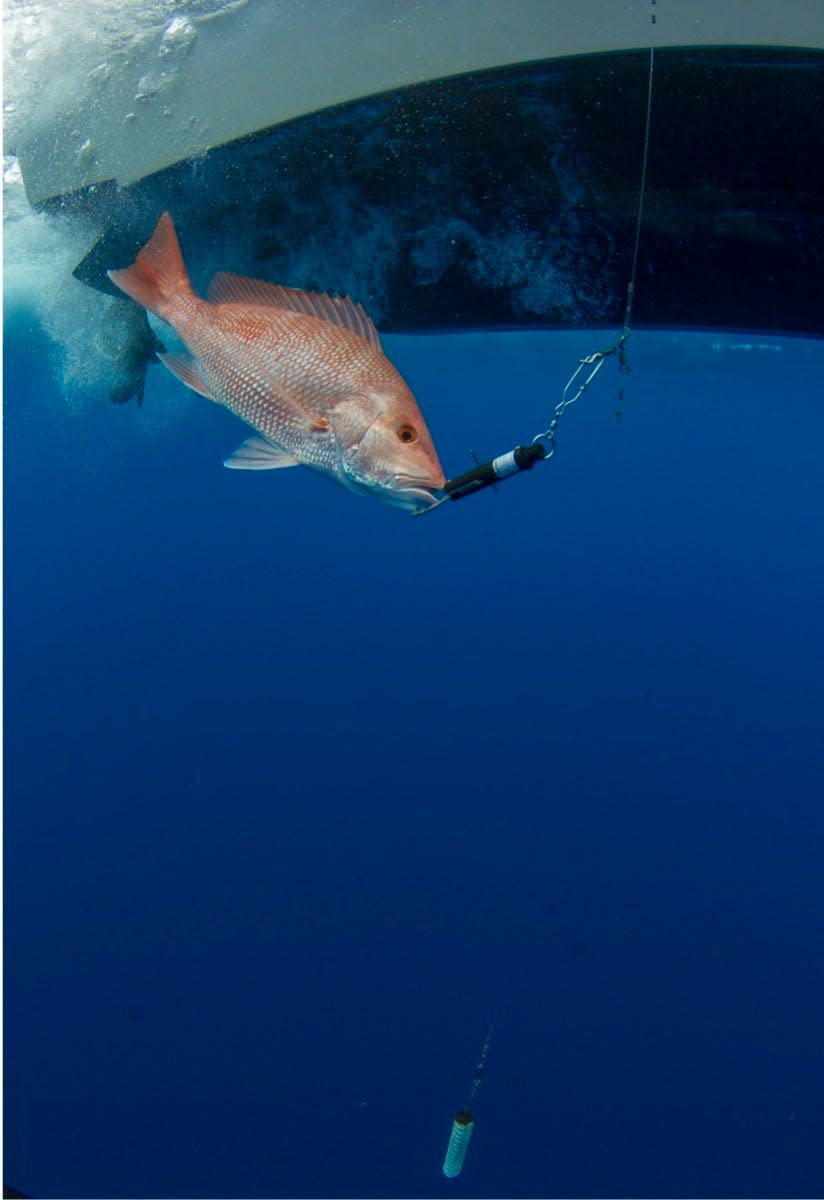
{"points": [[522, 458]]}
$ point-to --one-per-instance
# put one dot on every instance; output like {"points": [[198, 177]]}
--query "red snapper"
{"points": [[306, 371]]}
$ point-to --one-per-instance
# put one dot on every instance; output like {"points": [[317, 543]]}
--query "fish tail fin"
{"points": [[157, 278]]}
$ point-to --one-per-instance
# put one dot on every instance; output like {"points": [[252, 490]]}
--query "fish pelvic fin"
{"points": [[157, 278]]}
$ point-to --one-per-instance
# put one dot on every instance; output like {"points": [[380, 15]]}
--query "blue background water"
{"points": [[301, 793]]}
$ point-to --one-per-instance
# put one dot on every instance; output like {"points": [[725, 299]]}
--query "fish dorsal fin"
{"points": [[339, 310]]}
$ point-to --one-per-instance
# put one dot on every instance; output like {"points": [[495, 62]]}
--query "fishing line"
{"points": [[641, 196], [543, 445]]}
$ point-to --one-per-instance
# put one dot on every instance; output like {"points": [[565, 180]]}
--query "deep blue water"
{"points": [[302, 794]]}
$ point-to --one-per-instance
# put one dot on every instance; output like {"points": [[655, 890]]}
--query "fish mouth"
{"points": [[414, 493]]}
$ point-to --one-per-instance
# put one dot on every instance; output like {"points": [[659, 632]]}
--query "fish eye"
{"points": [[407, 434]]}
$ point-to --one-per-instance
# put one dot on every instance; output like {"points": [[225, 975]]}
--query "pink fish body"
{"points": [[306, 371]]}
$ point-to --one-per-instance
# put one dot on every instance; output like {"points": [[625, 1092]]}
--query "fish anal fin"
{"points": [[338, 310], [186, 368], [259, 454]]}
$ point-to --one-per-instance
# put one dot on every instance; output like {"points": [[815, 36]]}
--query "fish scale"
{"points": [[276, 381], [306, 372]]}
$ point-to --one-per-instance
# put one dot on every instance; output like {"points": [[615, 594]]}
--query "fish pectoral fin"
{"points": [[187, 369], [259, 454]]}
